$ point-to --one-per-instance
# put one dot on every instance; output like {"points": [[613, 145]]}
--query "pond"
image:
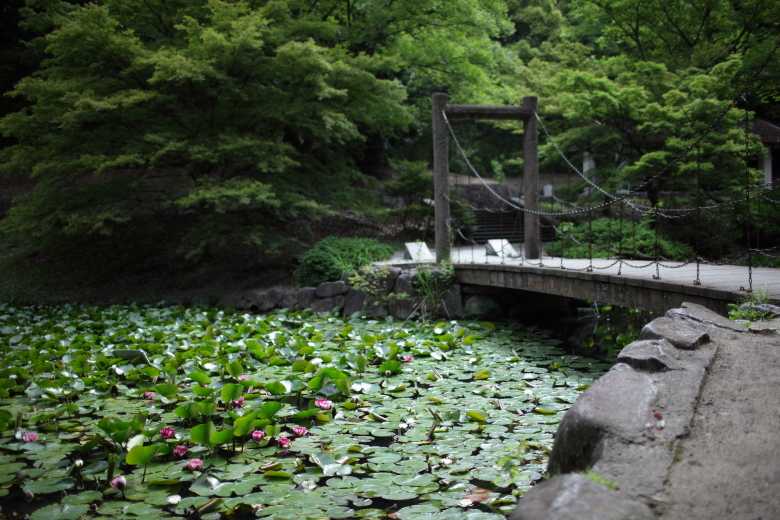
{"points": [[164, 412]]}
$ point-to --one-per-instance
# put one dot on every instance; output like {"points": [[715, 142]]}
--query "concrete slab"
{"points": [[418, 252]]}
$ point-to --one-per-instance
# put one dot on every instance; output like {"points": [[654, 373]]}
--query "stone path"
{"points": [[729, 465]]}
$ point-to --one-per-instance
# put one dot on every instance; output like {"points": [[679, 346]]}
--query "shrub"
{"points": [[336, 258], [610, 237]]}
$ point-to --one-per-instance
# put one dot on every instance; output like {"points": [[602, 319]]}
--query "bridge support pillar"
{"points": [[533, 245], [441, 171]]}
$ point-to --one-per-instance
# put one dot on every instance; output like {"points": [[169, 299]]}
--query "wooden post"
{"points": [[441, 171], [533, 246]]}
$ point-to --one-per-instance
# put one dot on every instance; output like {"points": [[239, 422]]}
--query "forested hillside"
{"points": [[243, 122]]}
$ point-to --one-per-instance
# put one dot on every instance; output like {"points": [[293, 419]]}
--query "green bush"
{"points": [[610, 237], [336, 258]]}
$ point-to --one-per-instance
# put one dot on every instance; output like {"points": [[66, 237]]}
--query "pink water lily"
{"points": [[30, 437], [148, 395], [300, 431], [180, 451], [238, 403], [167, 433], [408, 358], [195, 465], [243, 378], [119, 482], [284, 442], [323, 404], [258, 435]]}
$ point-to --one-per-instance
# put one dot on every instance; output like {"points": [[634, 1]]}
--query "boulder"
{"points": [[402, 308], [577, 497], [271, 298], [305, 296], [652, 355], [331, 289], [703, 319], [327, 304], [678, 334], [452, 302], [617, 405], [354, 302]]}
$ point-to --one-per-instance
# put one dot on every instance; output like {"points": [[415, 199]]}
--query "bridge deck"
{"points": [[629, 283]]}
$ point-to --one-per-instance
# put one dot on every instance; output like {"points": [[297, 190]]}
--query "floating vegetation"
{"points": [[163, 412]]}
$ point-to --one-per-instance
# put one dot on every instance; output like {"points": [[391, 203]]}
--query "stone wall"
{"points": [[626, 428]]}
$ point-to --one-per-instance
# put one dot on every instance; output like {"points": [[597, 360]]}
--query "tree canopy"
{"points": [[250, 113]]}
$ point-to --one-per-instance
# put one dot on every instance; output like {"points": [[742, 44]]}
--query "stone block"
{"points": [[331, 289], [402, 308], [652, 355], [617, 405], [305, 296], [577, 497], [678, 334], [703, 319], [500, 247], [271, 298], [327, 304], [354, 302], [418, 252]]}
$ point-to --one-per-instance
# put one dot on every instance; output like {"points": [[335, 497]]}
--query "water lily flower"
{"points": [[28, 495], [243, 378], [238, 403], [324, 404], [78, 463], [119, 483], [300, 431], [258, 435], [195, 465], [284, 442], [30, 437], [174, 499], [408, 358], [180, 451], [148, 395], [167, 433]]}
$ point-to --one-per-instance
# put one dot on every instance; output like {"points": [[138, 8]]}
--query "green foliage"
{"points": [[595, 477], [611, 237], [373, 281], [431, 282], [335, 258], [750, 314]]}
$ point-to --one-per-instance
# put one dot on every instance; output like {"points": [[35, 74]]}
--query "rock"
{"points": [[327, 304], [679, 335], [232, 302], [484, 306], [761, 307], [354, 302], [331, 289], [452, 302], [402, 308], [617, 405], [577, 497], [271, 298], [703, 319], [289, 302], [200, 300], [253, 295], [652, 355], [305, 296]]}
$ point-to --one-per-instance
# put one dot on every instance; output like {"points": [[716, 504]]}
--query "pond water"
{"points": [[292, 416]]}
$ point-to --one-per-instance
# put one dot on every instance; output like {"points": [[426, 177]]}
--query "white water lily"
{"points": [[174, 499], [466, 502]]}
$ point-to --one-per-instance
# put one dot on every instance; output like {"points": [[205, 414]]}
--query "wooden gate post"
{"points": [[533, 245], [441, 170]]}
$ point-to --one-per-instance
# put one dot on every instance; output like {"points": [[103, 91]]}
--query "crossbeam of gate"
{"points": [[441, 167]]}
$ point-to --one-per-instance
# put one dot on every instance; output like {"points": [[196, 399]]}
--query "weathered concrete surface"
{"points": [[708, 449], [728, 465], [576, 497]]}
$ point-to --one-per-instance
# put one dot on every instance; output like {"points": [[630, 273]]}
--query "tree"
{"points": [[246, 113]]}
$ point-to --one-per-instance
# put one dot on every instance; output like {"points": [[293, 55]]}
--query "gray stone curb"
{"points": [[626, 428]]}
